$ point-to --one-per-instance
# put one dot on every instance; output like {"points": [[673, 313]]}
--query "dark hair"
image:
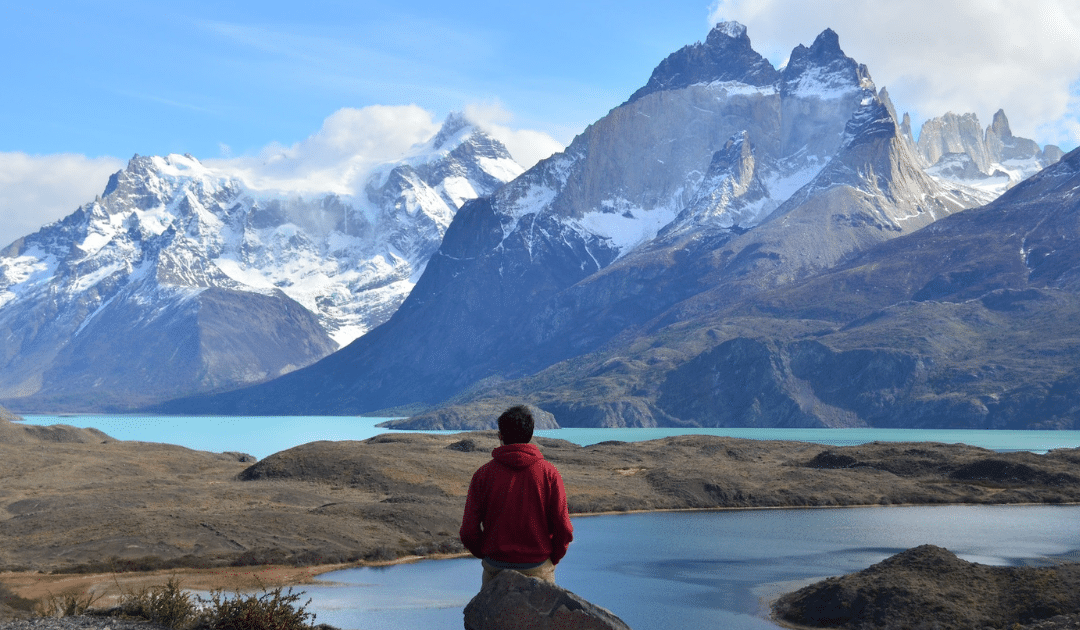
{"points": [[516, 425]]}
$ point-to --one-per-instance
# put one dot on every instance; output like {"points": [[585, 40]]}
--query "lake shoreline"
{"points": [[79, 502]]}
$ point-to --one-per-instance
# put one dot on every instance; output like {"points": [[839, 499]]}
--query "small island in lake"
{"points": [[929, 587]]}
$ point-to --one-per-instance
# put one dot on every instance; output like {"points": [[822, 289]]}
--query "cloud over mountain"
{"points": [[945, 56], [38, 189]]}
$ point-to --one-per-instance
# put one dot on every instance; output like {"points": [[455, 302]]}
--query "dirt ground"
{"points": [[34, 585]]}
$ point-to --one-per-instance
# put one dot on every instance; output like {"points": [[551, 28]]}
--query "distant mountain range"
{"points": [[735, 245], [181, 279]]}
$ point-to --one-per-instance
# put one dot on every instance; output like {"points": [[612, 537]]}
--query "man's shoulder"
{"points": [[548, 467]]}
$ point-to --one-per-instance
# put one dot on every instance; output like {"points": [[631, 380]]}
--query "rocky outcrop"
{"points": [[512, 600], [929, 587]]}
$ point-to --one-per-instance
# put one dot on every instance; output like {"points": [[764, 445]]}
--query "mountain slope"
{"points": [[182, 279], [973, 322], [693, 192]]}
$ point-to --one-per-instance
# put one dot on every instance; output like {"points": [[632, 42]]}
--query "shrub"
{"points": [[167, 605], [271, 610], [67, 605]]}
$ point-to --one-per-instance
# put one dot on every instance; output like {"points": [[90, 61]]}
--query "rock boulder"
{"points": [[513, 600]]}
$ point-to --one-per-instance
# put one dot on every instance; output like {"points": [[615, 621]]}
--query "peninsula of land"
{"points": [[929, 587], [77, 500]]}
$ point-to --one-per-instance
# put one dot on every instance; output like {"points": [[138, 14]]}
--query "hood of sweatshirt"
{"points": [[517, 456]]}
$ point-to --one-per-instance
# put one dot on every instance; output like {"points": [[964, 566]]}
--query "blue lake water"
{"points": [[661, 570], [705, 569], [263, 435]]}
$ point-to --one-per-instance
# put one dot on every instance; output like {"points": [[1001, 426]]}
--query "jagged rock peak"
{"points": [[954, 134], [726, 55], [1000, 125], [873, 120], [455, 122], [459, 134], [824, 69]]}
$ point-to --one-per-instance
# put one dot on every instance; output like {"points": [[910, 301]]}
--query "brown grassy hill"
{"points": [[104, 504], [14, 433]]}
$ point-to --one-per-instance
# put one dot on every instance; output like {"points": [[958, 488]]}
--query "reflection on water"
{"points": [[706, 569]]}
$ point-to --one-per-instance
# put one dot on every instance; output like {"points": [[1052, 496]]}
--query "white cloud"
{"points": [[39, 189], [961, 56], [526, 146], [339, 156], [351, 142]]}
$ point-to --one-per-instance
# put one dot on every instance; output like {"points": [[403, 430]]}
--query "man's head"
{"points": [[516, 425]]}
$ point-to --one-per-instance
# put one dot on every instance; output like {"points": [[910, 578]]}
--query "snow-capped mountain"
{"points": [[251, 284], [957, 151], [721, 178]]}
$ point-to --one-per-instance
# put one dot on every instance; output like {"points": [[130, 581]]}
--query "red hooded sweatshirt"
{"points": [[516, 508]]}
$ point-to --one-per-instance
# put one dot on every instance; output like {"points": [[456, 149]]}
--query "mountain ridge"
{"points": [[564, 268], [672, 242]]}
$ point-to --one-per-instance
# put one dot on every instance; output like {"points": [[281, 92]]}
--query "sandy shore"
{"points": [[35, 585]]}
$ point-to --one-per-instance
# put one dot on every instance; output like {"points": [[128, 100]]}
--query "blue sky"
{"points": [[89, 84], [117, 78]]}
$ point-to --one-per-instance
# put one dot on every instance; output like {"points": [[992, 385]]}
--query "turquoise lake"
{"points": [[660, 570], [263, 435]]}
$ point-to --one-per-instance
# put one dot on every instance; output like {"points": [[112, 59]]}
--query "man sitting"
{"points": [[515, 514]]}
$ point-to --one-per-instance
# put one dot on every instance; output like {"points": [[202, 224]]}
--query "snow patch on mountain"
{"points": [[625, 226], [726, 89], [823, 83]]}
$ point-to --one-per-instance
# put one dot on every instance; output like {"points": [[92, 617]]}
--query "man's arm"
{"points": [[562, 530], [471, 532]]}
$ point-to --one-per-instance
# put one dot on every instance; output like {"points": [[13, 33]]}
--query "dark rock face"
{"points": [[726, 55], [512, 600], [930, 587], [213, 339]]}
